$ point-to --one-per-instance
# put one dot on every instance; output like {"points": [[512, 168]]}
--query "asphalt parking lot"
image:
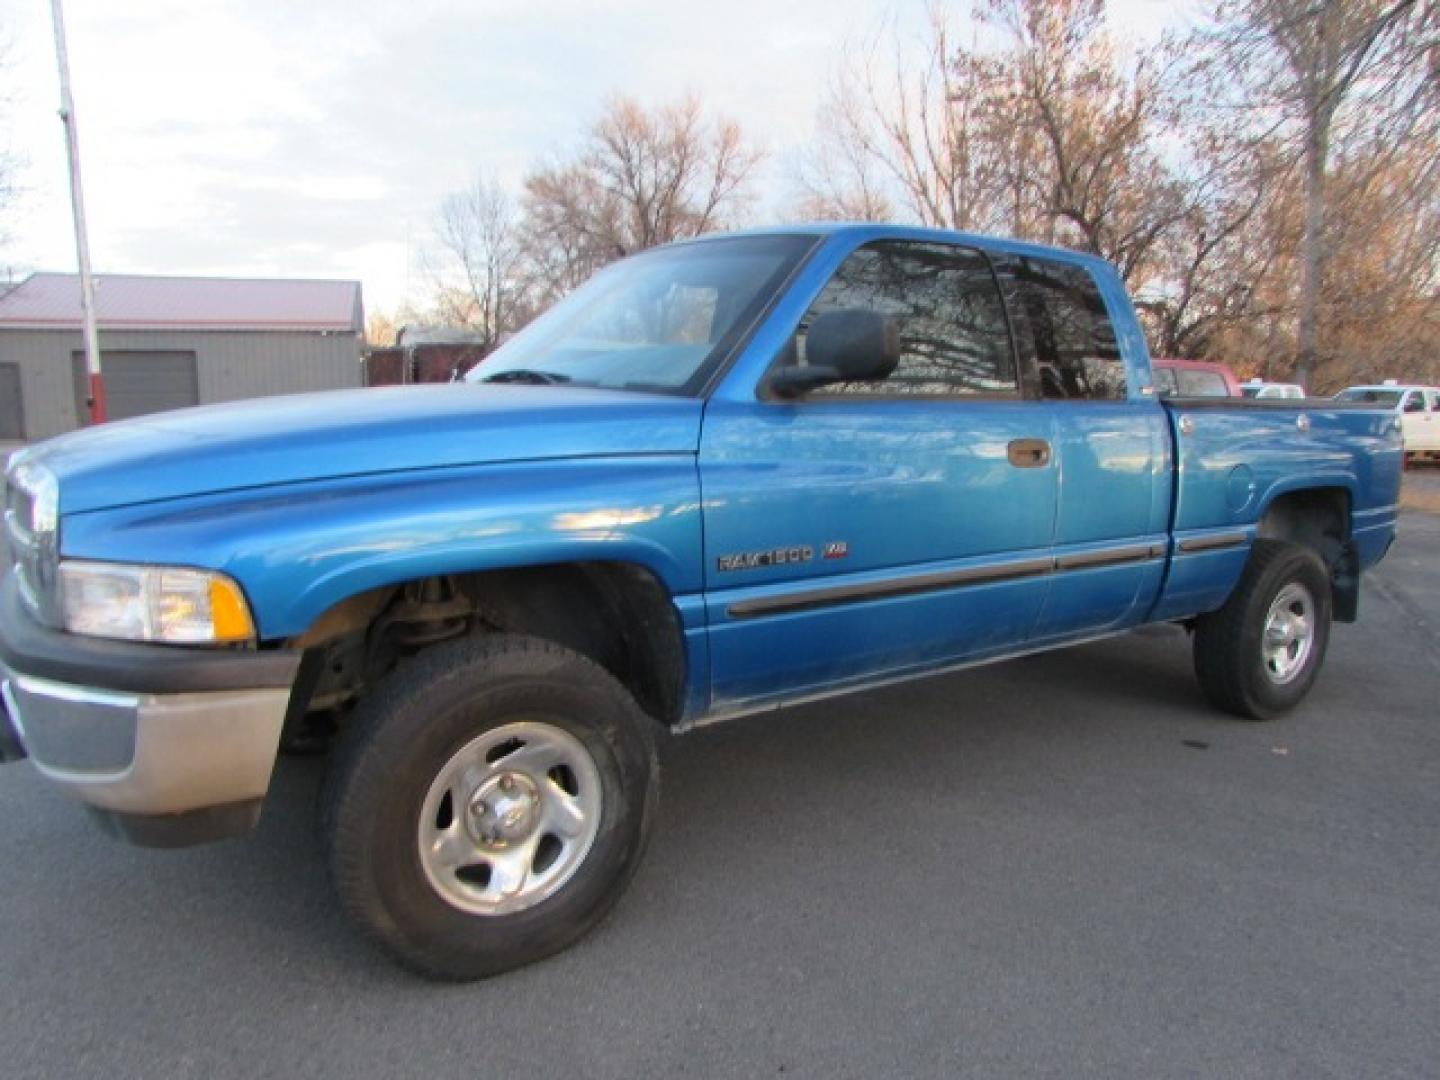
{"points": [[1063, 866]]}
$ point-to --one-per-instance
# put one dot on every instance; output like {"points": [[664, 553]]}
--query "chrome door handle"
{"points": [[1029, 453]]}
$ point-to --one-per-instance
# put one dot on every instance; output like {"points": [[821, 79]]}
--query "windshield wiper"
{"points": [[527, 375]]}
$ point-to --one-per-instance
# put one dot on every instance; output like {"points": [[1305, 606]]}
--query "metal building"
{"points": [[167, 342]]}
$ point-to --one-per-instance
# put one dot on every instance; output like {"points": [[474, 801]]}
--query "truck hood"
{"points": [[285, 440]]}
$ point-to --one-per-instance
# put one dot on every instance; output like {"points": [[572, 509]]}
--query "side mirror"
{"points": [[845, 345]]}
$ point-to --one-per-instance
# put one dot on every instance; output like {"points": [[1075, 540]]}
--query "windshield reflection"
{"points": [[658, 321]]}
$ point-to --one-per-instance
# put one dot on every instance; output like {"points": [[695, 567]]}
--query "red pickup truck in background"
{"points": [[1194, 378]]}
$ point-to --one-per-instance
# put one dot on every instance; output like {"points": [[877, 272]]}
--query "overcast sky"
{"points": [[314, 138]]}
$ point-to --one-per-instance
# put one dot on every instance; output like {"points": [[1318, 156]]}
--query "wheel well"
{"points": [[1319, 518], [617, 614]]}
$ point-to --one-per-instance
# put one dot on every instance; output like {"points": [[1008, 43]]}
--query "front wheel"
{"points": [[489, 804], [1258, 656]]}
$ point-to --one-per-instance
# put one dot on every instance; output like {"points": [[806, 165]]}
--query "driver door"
{"points": [[868, 530]]}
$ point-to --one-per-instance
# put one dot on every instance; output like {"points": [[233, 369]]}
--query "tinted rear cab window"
{"points": [[1062, 327]]}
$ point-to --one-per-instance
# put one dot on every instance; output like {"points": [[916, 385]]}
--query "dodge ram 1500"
{"points": [[722, 477]]}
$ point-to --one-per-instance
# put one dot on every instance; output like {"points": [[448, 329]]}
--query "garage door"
{"points": [[12, 410], [137, 383]]}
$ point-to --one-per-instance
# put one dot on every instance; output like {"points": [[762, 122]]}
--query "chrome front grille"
{"points": [[33, 549]]}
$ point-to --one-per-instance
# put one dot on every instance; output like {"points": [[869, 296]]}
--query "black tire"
{"points": [[1230, 658], [401, 738]]}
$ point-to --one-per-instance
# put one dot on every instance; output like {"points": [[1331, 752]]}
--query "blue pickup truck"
{"points": [[723, 477]]}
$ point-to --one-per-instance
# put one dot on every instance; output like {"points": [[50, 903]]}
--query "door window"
{"points": [[1415, 401], [953, 336]]}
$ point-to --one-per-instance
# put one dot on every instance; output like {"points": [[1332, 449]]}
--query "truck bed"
{"points": [[1236, 456]]}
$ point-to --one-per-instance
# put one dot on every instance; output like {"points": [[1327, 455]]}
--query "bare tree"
{"points": [[643, 177], [914, 134], [1102, 179], [1046, 135], [1381, 314], [1267, 183], [838, 179], [572, 227], [477, 264], [1222, 265], [1329, 75], [380, 329]]}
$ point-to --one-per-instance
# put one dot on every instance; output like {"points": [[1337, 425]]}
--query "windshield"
{"points": [[1386, 399], [661, 320]]}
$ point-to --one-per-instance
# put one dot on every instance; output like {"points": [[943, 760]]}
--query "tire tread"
{"points": [[361, 763], [1220, 647]]}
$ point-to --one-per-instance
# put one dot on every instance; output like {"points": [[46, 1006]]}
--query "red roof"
{"points": [[135, 302]]}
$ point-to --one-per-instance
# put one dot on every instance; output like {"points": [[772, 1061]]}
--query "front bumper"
{"points": [[168, 745]]}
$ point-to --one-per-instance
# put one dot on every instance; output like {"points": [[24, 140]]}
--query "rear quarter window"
{"points": [[1062, 324], [1201, 383]]}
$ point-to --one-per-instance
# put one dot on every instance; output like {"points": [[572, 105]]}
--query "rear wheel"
{"points": [[1258, 656], [489, 804]]}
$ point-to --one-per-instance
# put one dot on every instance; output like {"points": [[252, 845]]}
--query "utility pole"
{"points": [[77, 206]]}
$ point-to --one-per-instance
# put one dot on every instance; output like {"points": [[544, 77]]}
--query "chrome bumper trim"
{"points": [[190, 751]]}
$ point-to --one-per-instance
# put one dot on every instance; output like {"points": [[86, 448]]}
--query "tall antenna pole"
{"points": [[77, 206]]}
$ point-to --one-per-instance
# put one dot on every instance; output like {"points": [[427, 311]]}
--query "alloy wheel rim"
{"points": [[510, 818], [1289, 635]]}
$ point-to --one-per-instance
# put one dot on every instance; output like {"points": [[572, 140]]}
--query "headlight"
{"points": [[153, 603]]}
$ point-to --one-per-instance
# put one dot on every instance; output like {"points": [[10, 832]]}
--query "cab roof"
{"points": [[864, 231]]}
